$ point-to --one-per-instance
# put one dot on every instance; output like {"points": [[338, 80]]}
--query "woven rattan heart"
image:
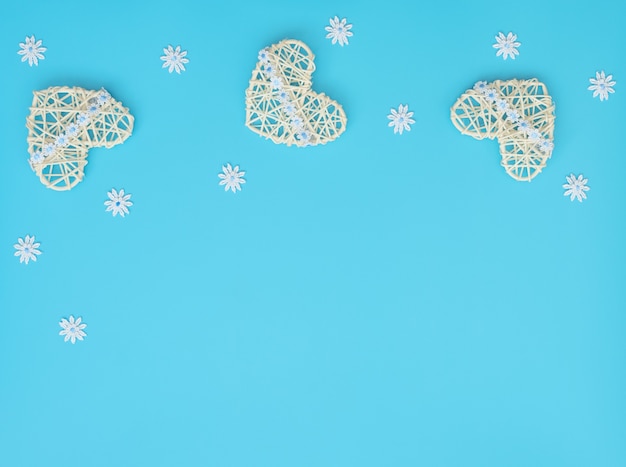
{"points": [[280, 104], [519, 113], [64, 123]]}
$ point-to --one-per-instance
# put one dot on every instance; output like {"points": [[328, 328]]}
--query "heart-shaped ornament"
{"points": [[64, 123], [280, 104], [519, 113]]}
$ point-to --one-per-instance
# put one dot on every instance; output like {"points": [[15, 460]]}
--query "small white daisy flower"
{"points": [[27, 249], [264, 56], [401, 119], [269, 70], [72, 129], [480, 86], [103, 97], [82, 119], [276, 82], [62, 140], [546, 146], [576, 187], [303, 135], [174, 59], [491, 94], [36, 158], [339, 31], [502, 105], [32, 51], [297, 122], [506, 45], [118, 203], [602, 85], [523, 126], [72, 330], [289, 108], [283, 96], [231, 178], [48, 150], [513, 115]]}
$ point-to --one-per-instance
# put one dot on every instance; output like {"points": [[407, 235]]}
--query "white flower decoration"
{"points": [[602, 85], [231, 178], [82, 119], [118, 203], [303, 135], [36, 158], [27, 249], [276, 82], [338, 31], [481, 86], [174, 59], [491, 94], [506, 45], [72, 330], [264, 56], [524, 126], [546, 145], [512, 115], [32, 51], [401, 119], [72, 129], [576, 187], [62, 140]]}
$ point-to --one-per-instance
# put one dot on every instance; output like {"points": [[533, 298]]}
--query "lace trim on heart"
{"points": [[278, 87], [71, 131], [510, 114]]}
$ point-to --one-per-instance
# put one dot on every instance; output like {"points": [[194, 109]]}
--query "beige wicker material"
{"points": [[53, 111], [474, 115], [323, 119]]}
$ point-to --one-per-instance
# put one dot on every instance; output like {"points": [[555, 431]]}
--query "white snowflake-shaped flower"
{"points": [[269, 70], [62, 140], [546, 146], [480, 86], [276, 82], [264, 56], [72, 129], [283, 96], [72, 330], [118, 203], [401, 119], [82, 119], [339, 31], [576, 187], [232, 178], [37, 157], [512, 115], [524, 126], [602, 85], [27, 249], [506, 45], [303, 135], [491, 94], [174, 59], [32, 51], [297, 122], [289, 108]]}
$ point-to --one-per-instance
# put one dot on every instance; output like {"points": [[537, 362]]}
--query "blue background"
{"points": [[381, 300]]}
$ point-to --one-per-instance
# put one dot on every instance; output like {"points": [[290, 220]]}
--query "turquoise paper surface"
{"points": [[383, 300]]}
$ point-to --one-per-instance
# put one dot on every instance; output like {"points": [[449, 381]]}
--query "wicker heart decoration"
{"points": [[280, 104], [519, 113], [64, 123]]}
